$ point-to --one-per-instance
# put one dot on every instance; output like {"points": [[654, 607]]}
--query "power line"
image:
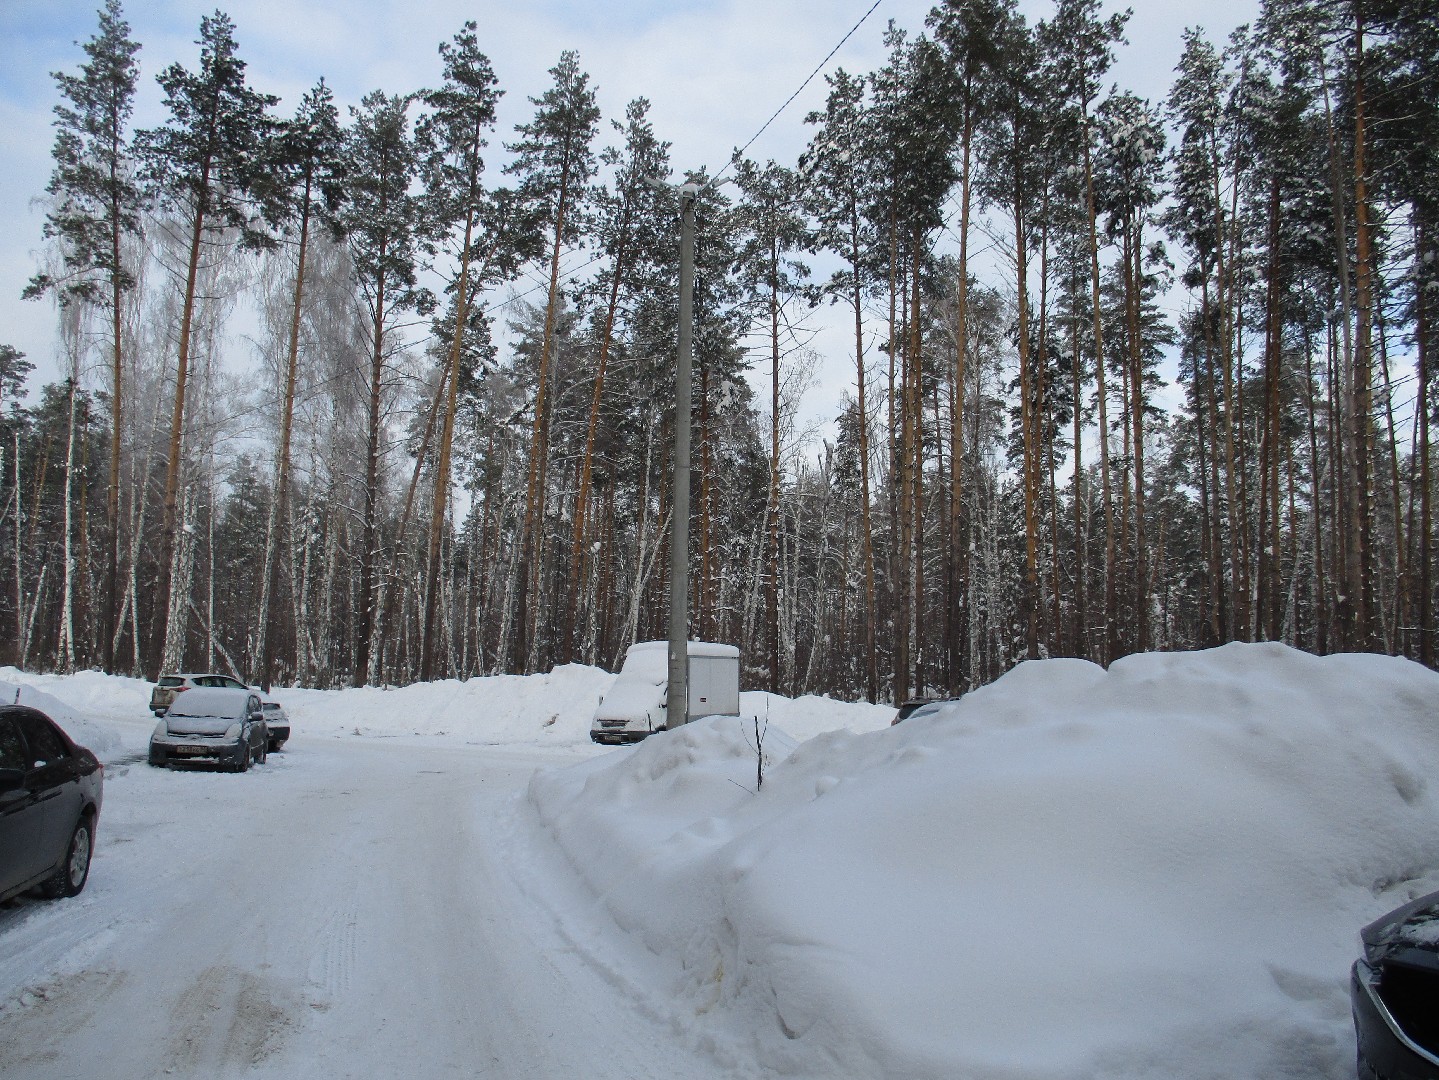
{"points": [[810, 78]]}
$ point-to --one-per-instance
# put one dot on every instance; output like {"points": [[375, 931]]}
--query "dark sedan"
{"points": [[1393, 989], [50, 794]]}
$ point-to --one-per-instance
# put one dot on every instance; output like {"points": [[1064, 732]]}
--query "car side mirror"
{"points": [[254, 716], [11, 780]]}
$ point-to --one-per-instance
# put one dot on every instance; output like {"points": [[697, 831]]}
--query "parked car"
{"points": [[169, 685], [1393, 989], [50, 795], [636, 704], [212, 725], [920, 707], [277, 723], [908, 708]]}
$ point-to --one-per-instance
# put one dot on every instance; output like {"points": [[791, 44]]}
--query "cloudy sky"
{"points": [[714, 70]]}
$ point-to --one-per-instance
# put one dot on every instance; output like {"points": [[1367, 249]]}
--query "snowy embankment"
{"points": [[1155, 871], [110, 714]]}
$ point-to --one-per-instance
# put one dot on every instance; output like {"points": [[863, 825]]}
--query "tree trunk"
{"points": [[170, 523], [442, 466], [370, 527], [534, 493], [278, 527], [771, 577], [1111, 614]]}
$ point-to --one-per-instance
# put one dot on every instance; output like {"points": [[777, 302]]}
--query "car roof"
{"points": [[222, 701]]}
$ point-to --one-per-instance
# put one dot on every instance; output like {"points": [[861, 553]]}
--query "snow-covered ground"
{"points": [[1154, 871]]}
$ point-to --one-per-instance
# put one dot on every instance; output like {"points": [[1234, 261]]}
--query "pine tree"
{"points": [[302, 185], [913, 145], [626, 224], [775, 232], [97, 205], [202, 166], [1197, 219], [840, 179], [554, 160], [1129, 176], [972, 33], [1080, 44], [381, 220], [452, 139]]}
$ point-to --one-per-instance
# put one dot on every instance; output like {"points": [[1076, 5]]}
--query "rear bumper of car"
{"points": [[278, 732], [1386, 1052], [196, 750]]}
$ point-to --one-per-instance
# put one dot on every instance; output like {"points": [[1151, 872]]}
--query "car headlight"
{"points": [[233, 731], [161, 730]]}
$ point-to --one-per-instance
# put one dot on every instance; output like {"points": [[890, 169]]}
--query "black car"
{"points": [[907, 708], [277, 723], [920, 707], [1394, 992], [50, 794]]}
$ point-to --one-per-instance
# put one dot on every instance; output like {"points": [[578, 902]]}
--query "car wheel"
{"points": [[242, 763], [75, 870], [264, 751]]}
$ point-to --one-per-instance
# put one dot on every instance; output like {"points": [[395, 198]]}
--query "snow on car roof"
{"points": [[223, 701], [651, 658]]}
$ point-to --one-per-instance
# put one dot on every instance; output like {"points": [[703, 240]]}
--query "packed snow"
{"points": [[1158, 870]]}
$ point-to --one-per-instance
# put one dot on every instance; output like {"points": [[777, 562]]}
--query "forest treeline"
{"points": [[1125, 375]]}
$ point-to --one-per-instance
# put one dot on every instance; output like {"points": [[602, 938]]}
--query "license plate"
{"points": [[197, 751]]}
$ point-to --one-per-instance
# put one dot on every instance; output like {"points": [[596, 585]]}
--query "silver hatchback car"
{"points": [[212, 726]]}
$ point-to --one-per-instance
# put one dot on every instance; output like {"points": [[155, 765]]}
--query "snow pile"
{"points": [[553, 709], [1155, 871], [805, 717], [99, 737]]}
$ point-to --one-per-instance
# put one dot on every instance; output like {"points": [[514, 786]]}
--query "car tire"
{"points": [[75, 870], [264, 752], [242, 763]]}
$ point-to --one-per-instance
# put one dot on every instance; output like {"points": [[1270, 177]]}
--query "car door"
{"points": [[54, 779], [22, 853]]}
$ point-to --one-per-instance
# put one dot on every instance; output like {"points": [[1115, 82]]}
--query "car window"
{"points": [[12, 749], [45, 743], [170, 681], [233, 683]]}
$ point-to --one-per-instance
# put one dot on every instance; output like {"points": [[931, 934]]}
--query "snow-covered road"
{"points": [[353, 908]]}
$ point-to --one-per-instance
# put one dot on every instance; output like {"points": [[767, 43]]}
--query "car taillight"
{"points": [[180, 688]]}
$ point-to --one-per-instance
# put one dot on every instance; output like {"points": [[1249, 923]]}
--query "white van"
{"points": [[635, 705]]}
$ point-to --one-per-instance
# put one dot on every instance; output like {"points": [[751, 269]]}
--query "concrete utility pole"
{"points": [[677, 697]]}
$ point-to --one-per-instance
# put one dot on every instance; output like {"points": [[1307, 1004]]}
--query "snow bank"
{"points": [[548, 710], [81, 725], [1154, 871]]}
